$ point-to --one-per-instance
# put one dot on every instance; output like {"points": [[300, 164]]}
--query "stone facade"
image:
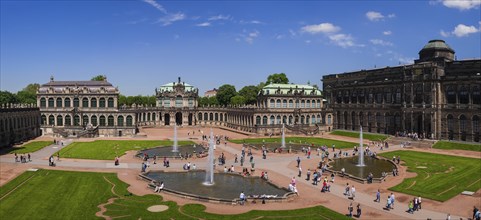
{"points": [[83, 108], [437, 97], [177, 103], [18, 123]]}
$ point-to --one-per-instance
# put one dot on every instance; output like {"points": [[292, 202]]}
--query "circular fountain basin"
{"points": [[372, 165], [166, 151], [293, 146], [226, 188]]}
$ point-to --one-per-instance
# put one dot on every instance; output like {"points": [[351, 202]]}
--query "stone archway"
{"points": [[178, 118], [167, 119], [190, 119]]}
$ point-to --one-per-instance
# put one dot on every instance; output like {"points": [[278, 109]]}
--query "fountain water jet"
{"points": [[283, 140], [209, 171], [175, 147], [361, 152]]}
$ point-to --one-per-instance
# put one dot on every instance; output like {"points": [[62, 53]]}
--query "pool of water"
{"points": [[226, 186], [166, 151], [373, 165]]}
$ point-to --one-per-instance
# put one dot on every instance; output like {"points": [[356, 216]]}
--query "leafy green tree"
{"points": [[212, 101], [225, 93], [99, 78], [238, 100], [28, 94], [250, 94], [7, 97], [279, 78]]}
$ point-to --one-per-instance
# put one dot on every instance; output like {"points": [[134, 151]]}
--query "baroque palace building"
{"points": [[90, 108], [437, 97], [18, 123]]}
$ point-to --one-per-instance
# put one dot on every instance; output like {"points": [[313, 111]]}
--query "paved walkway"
{"points": [[278, 164]]}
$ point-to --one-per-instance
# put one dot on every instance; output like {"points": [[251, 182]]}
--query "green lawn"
{"points": [[354, 134], [107, 149], [53, 194], [30, 147], [448, 145], [298, 140], [439, 177]]}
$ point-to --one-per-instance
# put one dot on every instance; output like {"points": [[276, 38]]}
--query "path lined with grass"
{"points": [[109, 149], [77, 195], [29, 148], [439, 177], [298, 140], [354, 134], [449, 145]]}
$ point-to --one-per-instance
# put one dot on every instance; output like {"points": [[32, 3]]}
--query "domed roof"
{"points": [[437, 45]]}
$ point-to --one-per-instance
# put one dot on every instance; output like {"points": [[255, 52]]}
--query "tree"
{"points": [[7, 97], [225, 93], [250, 94], [238, 100], [279, 78], [99, 78], [28, 94]]}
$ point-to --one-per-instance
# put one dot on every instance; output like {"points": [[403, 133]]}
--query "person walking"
{"points": [[298, 161], [350, 209], [358, 210], [392, 200], [378, 196], [353, 192], [308, 175], [300, 171], [242, 198]]}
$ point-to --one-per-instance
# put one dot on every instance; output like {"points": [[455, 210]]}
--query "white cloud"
{"points": [[387, 32], [444, 33], [156, 5], [381, 42], [248, 37], [378, 16], [171, 18], [293, 33], [344, 40], [374, 16], [406, 60], [219, 17], [279, 36], [307, 41], [462, 4], [326, 28], [463, 30], [250, 22], [205, 24]]}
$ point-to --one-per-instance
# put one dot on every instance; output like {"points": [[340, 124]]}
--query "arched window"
{"points": [[308, 103], [284, 103], [120, 120], [462, 127], [476, 97], [290, 119], [302, 119], [463, 95], [110, 120], [59, 103], [199, 116], [258, 120], [450, 95], [354, 96], [379, 96], [148, 116], [50, 103], [85, 120], [67, 102], [51, 120], [272, 103], [102, 120], [43, 120], [206, 117], [284, 119], [129, 120], [216, 117], [264, 120], [76, 102], [93, 120], [370, 96], [93, 103], [211, 117], [388, 97], [278, 103], [85, 102], [68, 120], [361, 97], [272, 120], [278, 120], [291, 104], [167, 102], [153, 116], [329, 119], [110, 102], [191, 102], [102, 103], [346, 96], [76, 120], [220, 117], [397, 98], [178, 101], [43, 103], [59, 120], [297, 103], [303, 103]]}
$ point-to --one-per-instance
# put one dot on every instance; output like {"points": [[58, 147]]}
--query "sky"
{"points": [[140, 45]]}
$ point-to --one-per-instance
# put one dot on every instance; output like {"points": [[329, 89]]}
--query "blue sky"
{"points": [[141, 45]]}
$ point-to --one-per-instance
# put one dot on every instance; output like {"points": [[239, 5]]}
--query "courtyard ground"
{"points": [[281, 168]]}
